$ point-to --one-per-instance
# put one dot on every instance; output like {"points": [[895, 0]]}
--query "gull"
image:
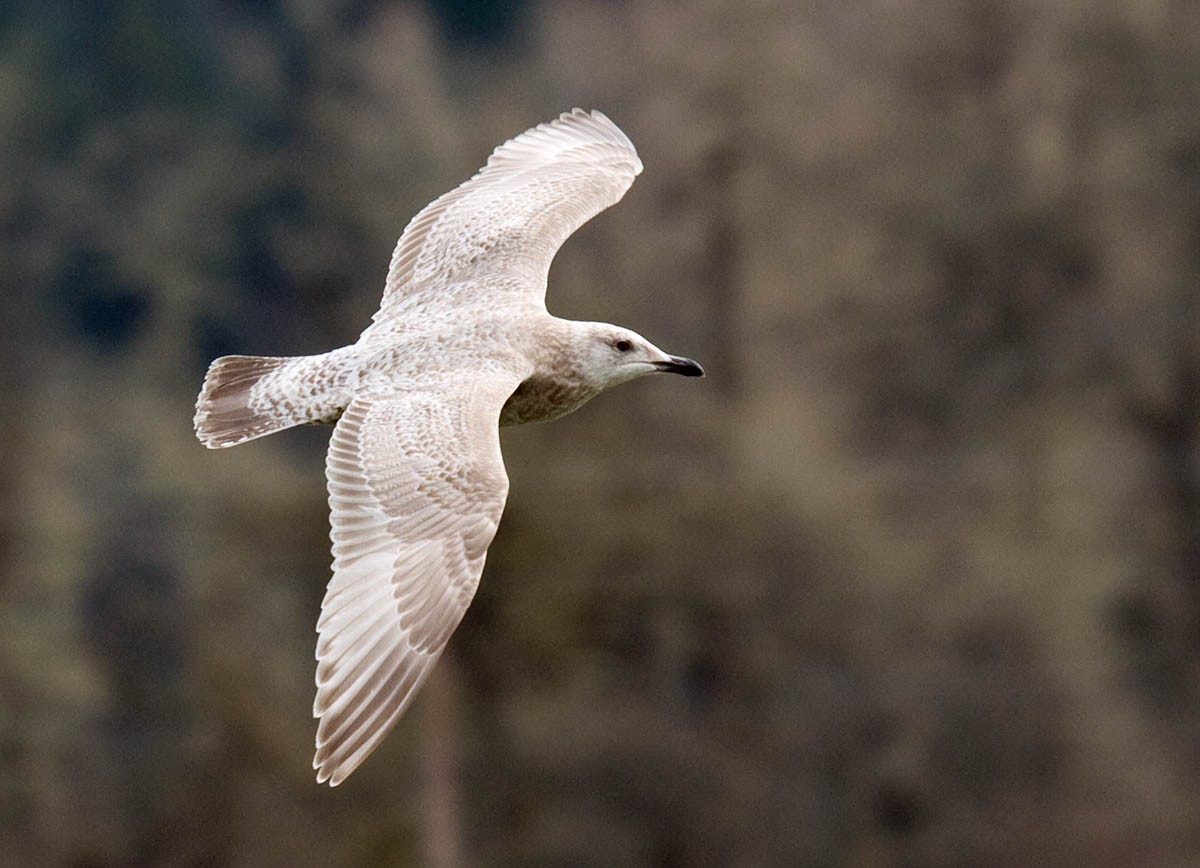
{"points": [[462, 344]]}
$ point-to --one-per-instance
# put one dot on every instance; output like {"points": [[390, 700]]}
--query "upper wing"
{"points": [[416, 488], [509, 220]]}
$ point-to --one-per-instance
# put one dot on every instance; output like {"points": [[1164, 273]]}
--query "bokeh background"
{"points": [[911, 579]]}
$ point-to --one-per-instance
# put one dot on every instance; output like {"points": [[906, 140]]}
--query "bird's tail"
{"points": [[245, 397]]}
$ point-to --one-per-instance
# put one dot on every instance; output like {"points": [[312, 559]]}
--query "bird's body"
{"points": [[462, 343]]}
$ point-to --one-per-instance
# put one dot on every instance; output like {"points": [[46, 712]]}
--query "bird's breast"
{"points": [[539, 399]]}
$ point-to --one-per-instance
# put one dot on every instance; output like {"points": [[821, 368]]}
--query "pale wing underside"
{"points": [[416, 487], [507, 222]]}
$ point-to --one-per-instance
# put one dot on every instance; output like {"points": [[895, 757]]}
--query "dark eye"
{"points": [[622, 345]]}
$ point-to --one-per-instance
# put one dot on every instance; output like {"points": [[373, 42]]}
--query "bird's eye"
{"points": [[622, 345]]}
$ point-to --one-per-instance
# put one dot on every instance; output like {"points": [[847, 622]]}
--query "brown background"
{"points": [[911, 579]]}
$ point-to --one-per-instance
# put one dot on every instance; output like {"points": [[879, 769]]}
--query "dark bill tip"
{"points": [[682, 366]]}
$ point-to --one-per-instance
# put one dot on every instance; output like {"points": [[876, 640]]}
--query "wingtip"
{"points": [[334, 771], [325, 775], [614, 133]]}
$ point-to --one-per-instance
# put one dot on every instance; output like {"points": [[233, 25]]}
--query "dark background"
{"points": [[911, 579]]}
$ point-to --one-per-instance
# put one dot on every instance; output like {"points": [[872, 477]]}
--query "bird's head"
{"points": [[609, 355]]}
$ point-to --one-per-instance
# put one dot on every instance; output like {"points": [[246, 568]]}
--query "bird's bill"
{"points": [[680, 365]]}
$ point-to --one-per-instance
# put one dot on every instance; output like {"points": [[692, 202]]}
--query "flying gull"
{"points": [[461, 344]]}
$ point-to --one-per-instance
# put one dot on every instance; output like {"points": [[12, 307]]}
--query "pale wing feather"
{"points": [[508, 221], [416, 489]]}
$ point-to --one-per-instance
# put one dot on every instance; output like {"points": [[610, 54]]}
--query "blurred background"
{"points": [[911, 579]]}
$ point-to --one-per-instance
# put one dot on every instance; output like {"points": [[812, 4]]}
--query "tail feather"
{"points": [[231, 410]]}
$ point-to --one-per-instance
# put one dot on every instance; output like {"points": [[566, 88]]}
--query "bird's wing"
{"points": [[508, 221], [416, 488]]}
